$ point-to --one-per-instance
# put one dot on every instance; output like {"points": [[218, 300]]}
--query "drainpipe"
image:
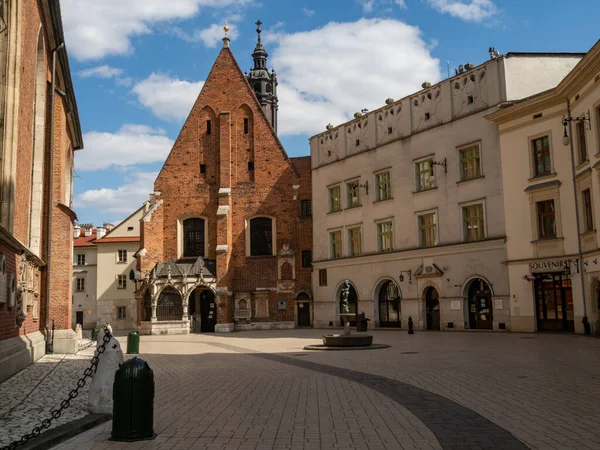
{"points": [[577, 221], [49, 344]]}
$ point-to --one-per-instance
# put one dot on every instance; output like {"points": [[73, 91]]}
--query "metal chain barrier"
{"points": [[55, 414]]}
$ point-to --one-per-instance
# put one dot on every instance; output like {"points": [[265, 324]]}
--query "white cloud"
{"points": [[210, 36], [96, 28], [369, 5], [329, 73], [104, 71], [119, 202], [168, 98], [132, 144], [472, 11], [308, 12]]}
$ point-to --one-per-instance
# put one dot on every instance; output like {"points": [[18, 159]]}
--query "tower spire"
{"points": [[226, 38], [264, 83]]}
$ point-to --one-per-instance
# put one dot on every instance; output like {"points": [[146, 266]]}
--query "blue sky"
{"points": [[138, 65]]}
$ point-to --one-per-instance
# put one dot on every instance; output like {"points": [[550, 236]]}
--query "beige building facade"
{"points": [[408, 202], [550, 157], [116, 283], [85, 265]]}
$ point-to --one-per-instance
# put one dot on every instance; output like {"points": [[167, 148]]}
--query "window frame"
{"points": [[80, 284], [80, 259], [482, 219], [121, 281], [249, 235], [332, 202], [597, 120], [533, 153], [119, 259], [379, 183], [352, 239], [322, 277], [540, 219], [337, 242], [421, 226], [582, 153], [122, 316], [588, 212], [419, 187], [380, 235], [462, 159], [183, 238], [306, 256], [305, 211]]}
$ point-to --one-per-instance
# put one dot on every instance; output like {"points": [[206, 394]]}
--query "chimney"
{"points": [[108, 226], [76, 231], [88, 232], [100, 232]]}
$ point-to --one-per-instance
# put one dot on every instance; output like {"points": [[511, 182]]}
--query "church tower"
{"points": [[264, 84]]}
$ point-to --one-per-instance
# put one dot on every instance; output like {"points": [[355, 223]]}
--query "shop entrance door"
{"points": [[554, 302], [480, 305]]}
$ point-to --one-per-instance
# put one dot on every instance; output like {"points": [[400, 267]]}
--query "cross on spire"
{"points": [[258, 28]]}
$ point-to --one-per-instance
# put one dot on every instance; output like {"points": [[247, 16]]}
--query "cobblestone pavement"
{"points": [[28, 397], [260, 390]]}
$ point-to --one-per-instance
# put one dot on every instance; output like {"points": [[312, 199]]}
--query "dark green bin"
{"points": [[94, 334], [133, 402], [133, 343]]}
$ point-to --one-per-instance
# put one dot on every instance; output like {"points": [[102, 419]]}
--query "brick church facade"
{"points": [[39, 133], [226, 242]]}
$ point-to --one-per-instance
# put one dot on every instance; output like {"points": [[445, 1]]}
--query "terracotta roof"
{"points": [[118, 239], [85, 241]]}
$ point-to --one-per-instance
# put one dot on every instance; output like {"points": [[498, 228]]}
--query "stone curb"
{"points": [[64, 432]]}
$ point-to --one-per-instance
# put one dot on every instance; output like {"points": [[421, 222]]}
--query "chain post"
{"points": [[56, 413]]}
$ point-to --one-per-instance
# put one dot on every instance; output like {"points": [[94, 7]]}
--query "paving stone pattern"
{"points": [[28, 397], [260, 390]]}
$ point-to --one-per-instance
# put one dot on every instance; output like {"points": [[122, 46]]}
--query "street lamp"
{"points": [[566, 140]]}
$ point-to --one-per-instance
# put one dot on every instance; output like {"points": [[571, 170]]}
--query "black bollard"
{"points": [[410, 325]]}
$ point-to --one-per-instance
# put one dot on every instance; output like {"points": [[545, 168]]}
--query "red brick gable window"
{"points": [[193, 237], [261, 236]]}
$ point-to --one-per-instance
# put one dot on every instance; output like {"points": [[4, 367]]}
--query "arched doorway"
{"points": [[169, 305], [303, 302], [390, 313], [432, 308], [202, 309], [352, 302], [479, 300], [147, 307]]}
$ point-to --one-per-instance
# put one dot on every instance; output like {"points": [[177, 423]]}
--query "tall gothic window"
{"points": [[261, 236], [4, 37], [193, 237]]}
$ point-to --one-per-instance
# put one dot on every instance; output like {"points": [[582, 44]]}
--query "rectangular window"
{"points": [[473, 223], [355, 241], [427, 231], [203, 169], [306, 258], [384, 187], [335, 203], [598, 129], [305, 208], [80, 284], [352, 194], [208, 127], [121, 256], [81, 259], [587, 209], [246, 126], [335, 244], [385, 237], [541, 156], [470, 166], [250, 166], [424, 171], [581, 144], [546, 219], [322, 277], [122, 282], [121, 312]]}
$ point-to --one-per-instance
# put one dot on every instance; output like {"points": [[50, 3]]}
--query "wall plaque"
{"points": [[498, 303], [455, 305]]}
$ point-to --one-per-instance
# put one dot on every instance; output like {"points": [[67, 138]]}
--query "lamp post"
{"points": [[567, 141]]}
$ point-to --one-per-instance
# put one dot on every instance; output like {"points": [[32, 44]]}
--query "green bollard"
{"points": [[133, 343], [94, 334], [133, 402]]}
